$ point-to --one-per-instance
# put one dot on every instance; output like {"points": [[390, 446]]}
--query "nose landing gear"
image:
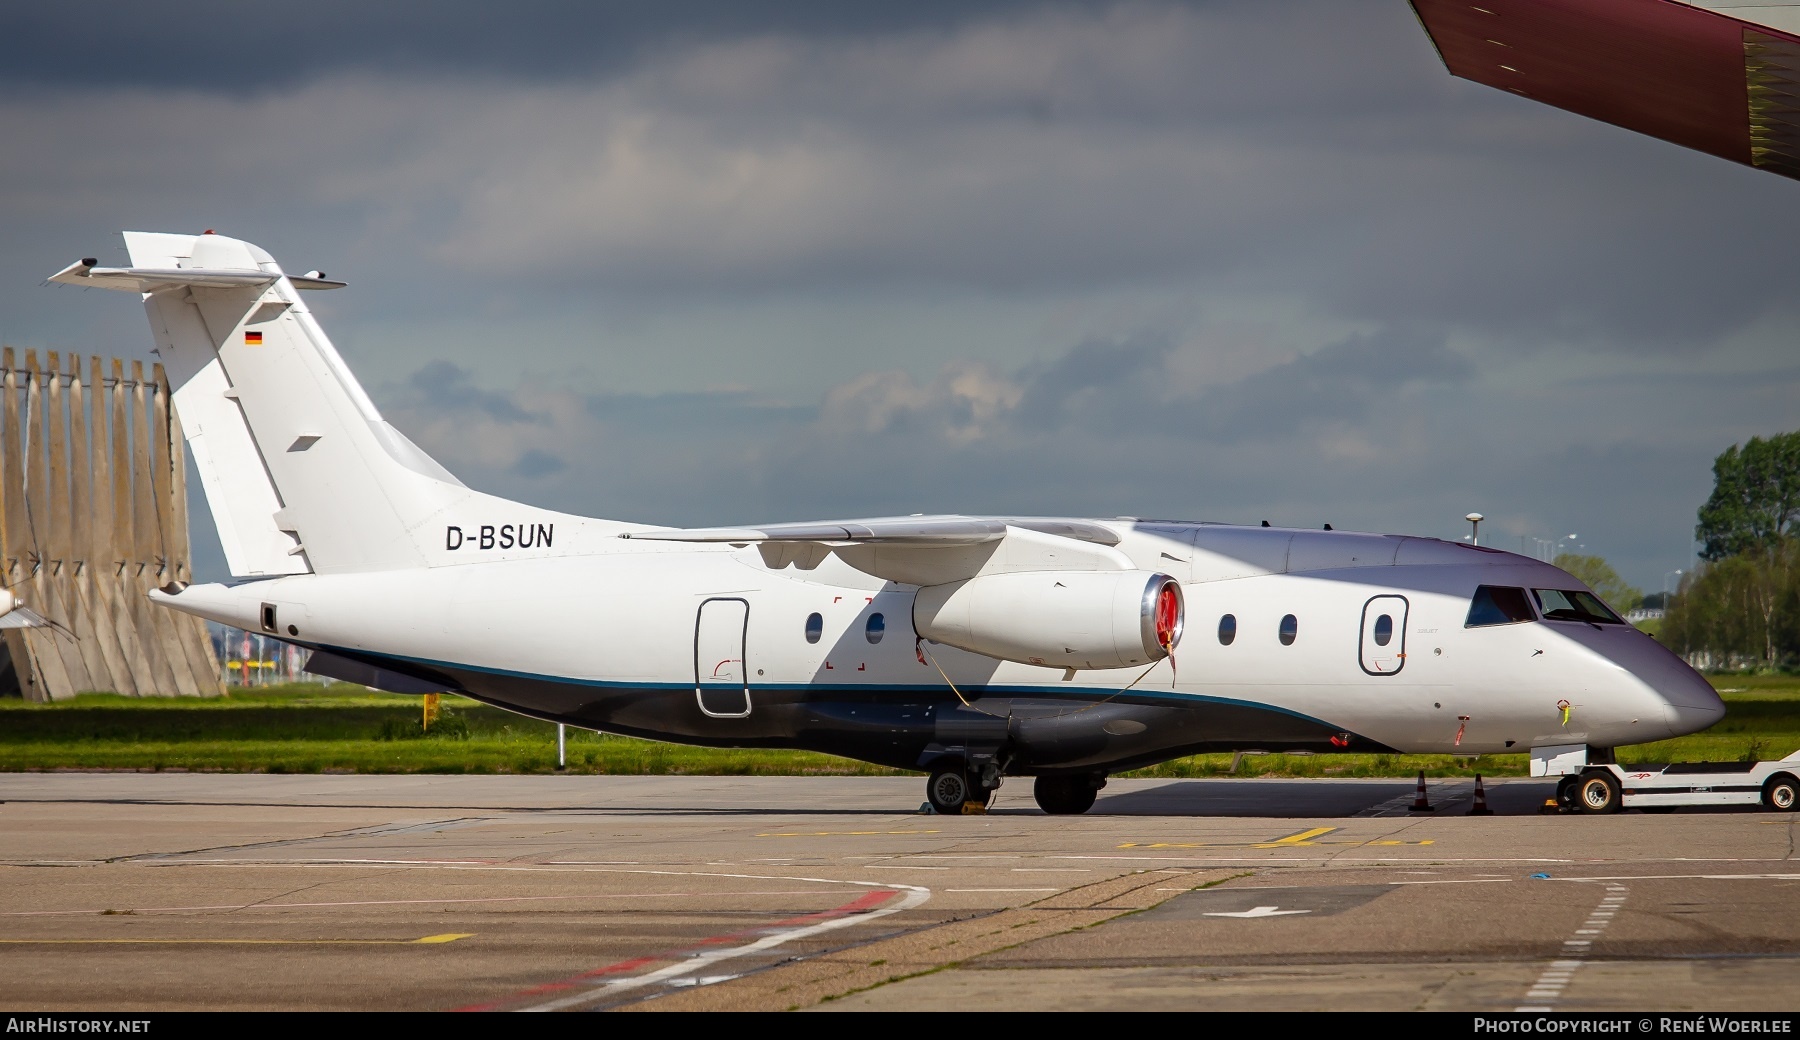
{"points": [[952, 787], [965, 782]]}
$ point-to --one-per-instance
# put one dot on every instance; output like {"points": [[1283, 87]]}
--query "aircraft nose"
{"points": [[1664, 683], [1690, 704], [1688, 718]]}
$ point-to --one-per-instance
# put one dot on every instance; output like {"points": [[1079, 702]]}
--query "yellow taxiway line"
{"points": [[1307, 837]]}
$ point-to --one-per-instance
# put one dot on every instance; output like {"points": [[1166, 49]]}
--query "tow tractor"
{"points": [[1593, 783]]}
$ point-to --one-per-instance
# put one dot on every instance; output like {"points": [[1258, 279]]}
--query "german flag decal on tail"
{"points": [[252, 339]]}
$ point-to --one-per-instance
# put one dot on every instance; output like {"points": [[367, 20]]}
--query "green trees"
{"points": [[1755, 502], [1741, 607], [1742, 611], [1599, 576]]}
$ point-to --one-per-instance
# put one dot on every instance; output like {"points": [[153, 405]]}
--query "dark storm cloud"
{"points": [[538, 463], [1089, 431], [233, 47], [717, 262], [1341, 383], [447, 386], [1114, 388], [662, 153]]}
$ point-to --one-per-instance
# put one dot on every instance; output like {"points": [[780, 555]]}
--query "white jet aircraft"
{"points": [[970, 648]]}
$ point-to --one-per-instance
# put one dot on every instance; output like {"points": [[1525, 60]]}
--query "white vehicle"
{"points": [[1610, 788], [970, 648]]}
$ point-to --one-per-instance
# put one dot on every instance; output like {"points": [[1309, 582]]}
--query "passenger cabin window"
{"points": [[1227, 629], [876, 628], [1559, 605], [1290, 627], [815, 627], [1384, 630], [1498, 605]]}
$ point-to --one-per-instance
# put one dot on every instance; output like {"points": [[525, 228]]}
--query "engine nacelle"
{"points": [[1062, 619], [8, 601]]}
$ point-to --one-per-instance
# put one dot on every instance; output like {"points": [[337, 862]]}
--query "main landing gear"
{"points": [[954, 789], [1067, 795]]}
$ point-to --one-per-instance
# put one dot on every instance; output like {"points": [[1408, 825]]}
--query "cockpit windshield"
{"points": [[1564, 605], [1498, 605]]}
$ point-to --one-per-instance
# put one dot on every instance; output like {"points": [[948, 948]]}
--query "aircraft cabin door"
{"points": [[1384, 635], [721, 681]]}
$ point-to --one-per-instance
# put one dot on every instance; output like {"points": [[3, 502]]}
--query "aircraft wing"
{"points": [[923, 550], [1717, 82], [903, 530]]}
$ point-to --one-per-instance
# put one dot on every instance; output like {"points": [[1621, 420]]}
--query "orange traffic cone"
{"points": [[1480, 807], [1420, 802]]}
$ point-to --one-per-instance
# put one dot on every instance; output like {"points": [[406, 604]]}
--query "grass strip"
{"points": [[312, 728]]}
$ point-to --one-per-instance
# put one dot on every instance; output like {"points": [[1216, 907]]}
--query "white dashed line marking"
{"points": [[1548, 989]]}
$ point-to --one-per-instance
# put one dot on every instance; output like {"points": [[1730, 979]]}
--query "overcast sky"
{"points": [[724, 263]]}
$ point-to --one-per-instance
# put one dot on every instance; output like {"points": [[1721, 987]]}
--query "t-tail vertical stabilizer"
{"points": [[300, 469]]}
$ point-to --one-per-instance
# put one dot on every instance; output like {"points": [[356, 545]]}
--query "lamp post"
{"points": [[1475, 520], [1666, 588]]}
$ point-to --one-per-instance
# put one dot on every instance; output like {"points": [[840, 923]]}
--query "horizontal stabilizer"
{"points": [[23, 617], [154, 279]]}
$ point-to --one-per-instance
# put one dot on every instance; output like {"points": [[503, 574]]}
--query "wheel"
{"points": [[1064, 795], [1597, 792], [1565, 792], [1779, 793], [949, 788]]}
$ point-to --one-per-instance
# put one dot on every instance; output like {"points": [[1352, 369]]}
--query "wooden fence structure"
{"points": [[93, 514]]}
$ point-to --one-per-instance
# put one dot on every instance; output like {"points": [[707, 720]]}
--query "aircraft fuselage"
{"points": [[710, 645]]}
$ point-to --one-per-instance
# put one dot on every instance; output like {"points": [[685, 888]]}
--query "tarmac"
{"points": [[178, 891]]}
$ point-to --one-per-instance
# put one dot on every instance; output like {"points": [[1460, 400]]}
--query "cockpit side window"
{"points": [[1569, 605], [1498, 605]]}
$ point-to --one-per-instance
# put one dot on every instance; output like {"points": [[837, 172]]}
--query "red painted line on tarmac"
{"points": [[867, 901], [571, 983]]}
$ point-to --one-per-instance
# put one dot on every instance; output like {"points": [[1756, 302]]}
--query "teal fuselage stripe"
{"points": [[932, 692]]}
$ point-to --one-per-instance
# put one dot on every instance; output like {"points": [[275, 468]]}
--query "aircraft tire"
{"points": [[1064, 795], [1780, 793], [1597, 792], [949, 788], [1565, 793]]}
